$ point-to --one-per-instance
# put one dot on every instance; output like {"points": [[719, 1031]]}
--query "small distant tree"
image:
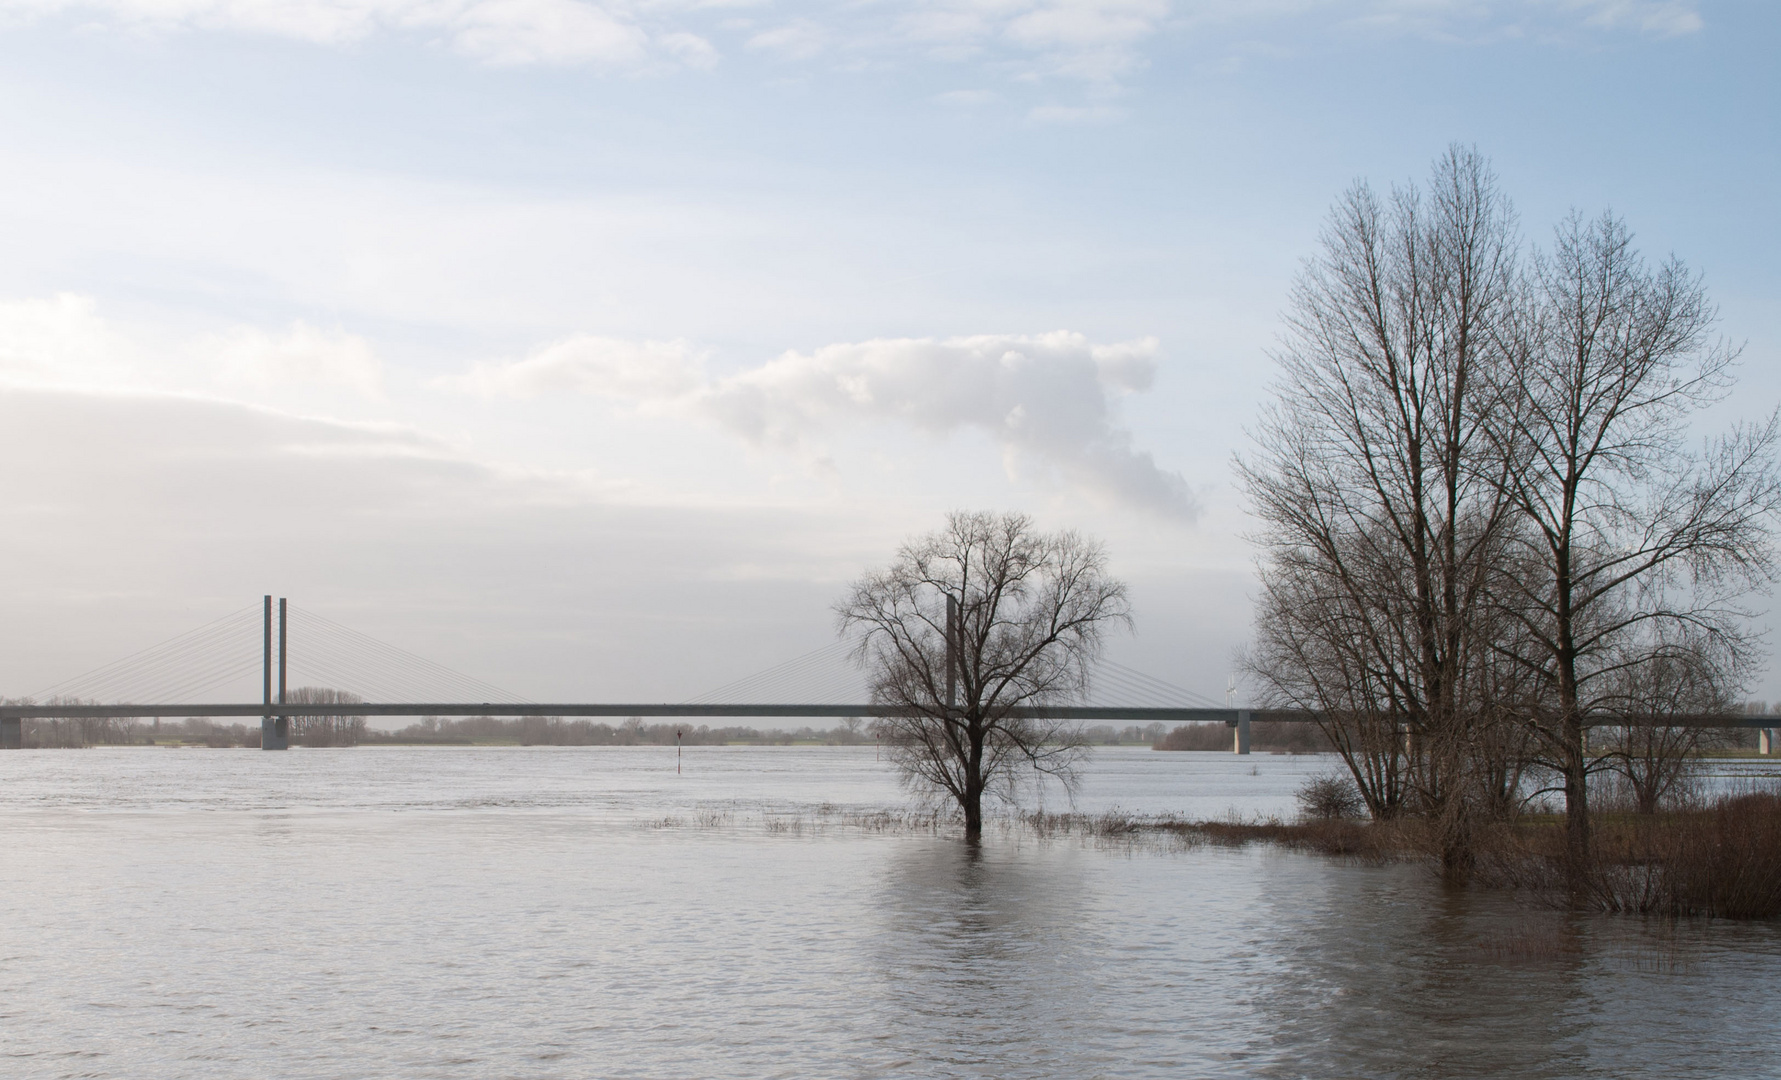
{"points": [[326, 730], [1679, 675], [967, 637]]}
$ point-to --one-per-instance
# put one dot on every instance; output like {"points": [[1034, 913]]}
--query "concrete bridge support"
{"points": [[1240, 744], [1765, 741], [12, 733]]}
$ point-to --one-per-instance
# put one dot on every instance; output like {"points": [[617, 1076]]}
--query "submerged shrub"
{"points": [[1721, 860], [1329, 797], [1727, 861]]}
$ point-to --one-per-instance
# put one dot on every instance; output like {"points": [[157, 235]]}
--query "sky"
{"points": [[592, 347]]}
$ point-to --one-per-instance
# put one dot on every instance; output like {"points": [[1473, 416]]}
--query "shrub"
{"points": [[1329, 797]]}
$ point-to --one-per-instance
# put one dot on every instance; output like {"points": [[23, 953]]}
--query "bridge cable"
{"points": [[379, 671], [203, 657]]}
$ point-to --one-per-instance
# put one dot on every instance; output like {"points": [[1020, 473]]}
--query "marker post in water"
{"points": [[676, 751]]}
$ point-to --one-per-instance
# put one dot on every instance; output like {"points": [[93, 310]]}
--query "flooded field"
{"points": [[559, 912]]}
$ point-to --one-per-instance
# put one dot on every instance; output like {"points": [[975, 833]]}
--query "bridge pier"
{"points": [[12, 733], [1240, 744], [1765, 741]]}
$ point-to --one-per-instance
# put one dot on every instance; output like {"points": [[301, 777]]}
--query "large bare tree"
{"points": [[1380, 505], [1630, 541], [968, 636]]}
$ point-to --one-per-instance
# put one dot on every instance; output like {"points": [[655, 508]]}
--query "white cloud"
{"points": [[690, 49], [536, 31], [799, 40], [586, 364], [1098, 41], [1074, 114], [493, 31], [967, 99], [1663, 18], [1093, 39], [64, 341], [1048, 400], [302, 355], [1492, 20]]}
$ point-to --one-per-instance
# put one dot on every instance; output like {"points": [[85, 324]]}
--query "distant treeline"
{"points": [[1107, 735], [556, 731], [1268, 736], [73, 732], [1280, 737], [78, 731], [70, 733]]}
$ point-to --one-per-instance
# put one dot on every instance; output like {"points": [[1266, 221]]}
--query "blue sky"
{"points": [[592, 347]]}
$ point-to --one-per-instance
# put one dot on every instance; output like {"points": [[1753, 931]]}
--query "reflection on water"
{"points": [[564, 913], [1392, 974], [1427, 982], [979, 957]]}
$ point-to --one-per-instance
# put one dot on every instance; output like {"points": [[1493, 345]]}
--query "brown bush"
{"points": [[1723, 860], [1369, 841], [1330, 796]]}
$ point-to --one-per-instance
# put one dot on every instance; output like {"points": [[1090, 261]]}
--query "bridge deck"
{"points": [[639, 709], [739, 711]]}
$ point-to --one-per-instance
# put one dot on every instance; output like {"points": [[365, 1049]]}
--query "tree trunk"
{"points": [[1457, 854], [1576, 792], [973, 814], [1576, 756], [973, 798]]}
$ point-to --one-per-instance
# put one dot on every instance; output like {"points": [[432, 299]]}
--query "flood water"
{"points": [[571, 912]]}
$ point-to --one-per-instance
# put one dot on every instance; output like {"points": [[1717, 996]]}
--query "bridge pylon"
{"points": [[275, 731]]}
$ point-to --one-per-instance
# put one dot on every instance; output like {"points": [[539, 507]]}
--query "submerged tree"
{"points": [[1380, 504], [1483, 529], [968, 637], [1630, 541]]}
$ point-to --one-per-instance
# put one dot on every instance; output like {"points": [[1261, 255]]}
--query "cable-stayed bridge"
{"points": [[362, 676], [185, 675]]}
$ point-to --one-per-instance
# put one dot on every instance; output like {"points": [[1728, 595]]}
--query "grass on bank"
{"points": [[1719, 858]]}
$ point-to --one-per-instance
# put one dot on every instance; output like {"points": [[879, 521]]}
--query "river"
{"points": [[589, 912]]}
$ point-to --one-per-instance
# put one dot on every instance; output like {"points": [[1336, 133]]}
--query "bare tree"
{"points": [[1314, 649], [73, 732], [326, 730], [1502, 745], [1626, 535], [969, 635], [1671, 677], [1380, 506]]}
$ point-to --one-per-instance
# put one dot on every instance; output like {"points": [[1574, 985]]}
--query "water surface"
{"points": [[586, 912]]}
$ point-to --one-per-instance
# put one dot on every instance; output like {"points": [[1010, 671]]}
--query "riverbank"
{"points": [[1720, 858]]}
